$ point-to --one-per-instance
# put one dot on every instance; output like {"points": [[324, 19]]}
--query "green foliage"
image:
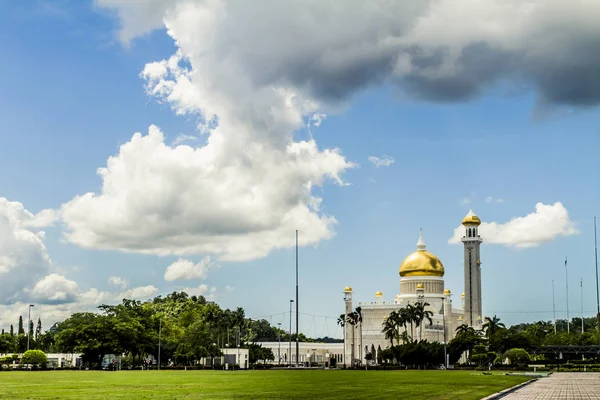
{"points": [[259, 353], [517, 356], [34, 357], [7, 343]]}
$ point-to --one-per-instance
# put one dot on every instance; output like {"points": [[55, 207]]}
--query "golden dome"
{"points": [[471, 219], [421, 262], [378, 294], [447, 291], [348, 289], [420, 286], [462, 295]]}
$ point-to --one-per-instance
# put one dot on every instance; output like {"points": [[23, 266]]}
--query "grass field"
{"points": [[137, 385]]}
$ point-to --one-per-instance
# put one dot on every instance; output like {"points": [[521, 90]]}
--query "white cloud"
{"points": [[239, 203], [209, 292], [23, 256], [185, 269], [43, 219], [140, 293], [434, 50], [253, 77], [466, 200], [544, 225], [491, 199], [54, 289], [383, 161], [117, 281]]}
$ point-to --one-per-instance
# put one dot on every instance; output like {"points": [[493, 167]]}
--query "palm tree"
{"points": [[464, 328], [421, 314], [492, 325], [341, 321], [410, 317], [390, 329]]}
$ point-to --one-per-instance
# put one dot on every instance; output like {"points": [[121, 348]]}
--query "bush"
{"points": [[34, 357]]}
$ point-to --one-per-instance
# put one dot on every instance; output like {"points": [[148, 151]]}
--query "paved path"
{"points": [[561, 386]]}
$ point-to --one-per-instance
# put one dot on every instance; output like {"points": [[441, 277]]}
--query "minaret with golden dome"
{"points": [[472, 265]]}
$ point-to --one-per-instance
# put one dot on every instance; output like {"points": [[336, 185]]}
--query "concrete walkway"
{"points": [[561, 386]]}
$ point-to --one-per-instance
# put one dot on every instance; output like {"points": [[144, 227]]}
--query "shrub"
{"points": [[34, 357]]}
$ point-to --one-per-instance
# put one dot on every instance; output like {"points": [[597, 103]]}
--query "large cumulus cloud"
{"points": [[442, 50]]}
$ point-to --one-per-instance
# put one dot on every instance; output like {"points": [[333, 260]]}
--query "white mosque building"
{"points": [[421, 280]]}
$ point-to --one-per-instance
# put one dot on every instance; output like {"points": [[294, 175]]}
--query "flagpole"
{"points": [[297, 343], [567, 282], [553, 307], [581, 285], [597, 291]]}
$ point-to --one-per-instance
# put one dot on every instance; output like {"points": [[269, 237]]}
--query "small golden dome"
{"points": [[378, 294], [471, 219], [460, 317], [462, 295], [447, 291], [348, 289], [420, 286], [421, 262]]}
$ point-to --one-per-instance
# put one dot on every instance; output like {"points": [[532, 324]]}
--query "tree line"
{"points": [[190, 328]]}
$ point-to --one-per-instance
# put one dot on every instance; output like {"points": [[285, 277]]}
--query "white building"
{"points": [[421, 280], [307, 352]]}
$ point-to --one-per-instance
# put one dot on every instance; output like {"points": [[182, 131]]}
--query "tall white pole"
{"points": [[597, 289], [159, 337], [567, 283], [553, 307], [29, 325], [581, 284]]}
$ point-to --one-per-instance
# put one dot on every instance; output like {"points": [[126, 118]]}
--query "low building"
{"points": [[307, 352]]}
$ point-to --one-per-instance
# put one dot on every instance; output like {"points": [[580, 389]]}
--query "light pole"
{"points": [[279, 349], [290, 352], [29, 326], [159, 334], [444, 327]]}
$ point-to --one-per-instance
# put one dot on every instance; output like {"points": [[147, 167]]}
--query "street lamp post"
{"points": [[159, 334], [279, 349], [290, 352], [29, 326], [444, 327]]}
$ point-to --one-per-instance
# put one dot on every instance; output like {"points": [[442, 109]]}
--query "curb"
{"points": [[505, 392]]}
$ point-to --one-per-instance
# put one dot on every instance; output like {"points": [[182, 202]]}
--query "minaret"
{"points": [[472, 242], [348, 329]]}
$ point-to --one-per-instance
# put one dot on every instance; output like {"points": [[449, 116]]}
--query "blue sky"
{"points": [[73, 92]]}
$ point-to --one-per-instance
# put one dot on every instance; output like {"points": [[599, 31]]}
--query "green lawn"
{"points": [[251, 384]]}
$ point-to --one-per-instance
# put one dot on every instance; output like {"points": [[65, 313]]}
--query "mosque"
{"points": [[421, 280]]}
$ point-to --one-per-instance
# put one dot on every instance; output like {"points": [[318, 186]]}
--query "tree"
{"points": [[7, 343], [21, 330], [90, 334], [12, 330], [517, 356], [390, 330], [492, 325], [38, 329], [34, 357], [420, 314]]}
